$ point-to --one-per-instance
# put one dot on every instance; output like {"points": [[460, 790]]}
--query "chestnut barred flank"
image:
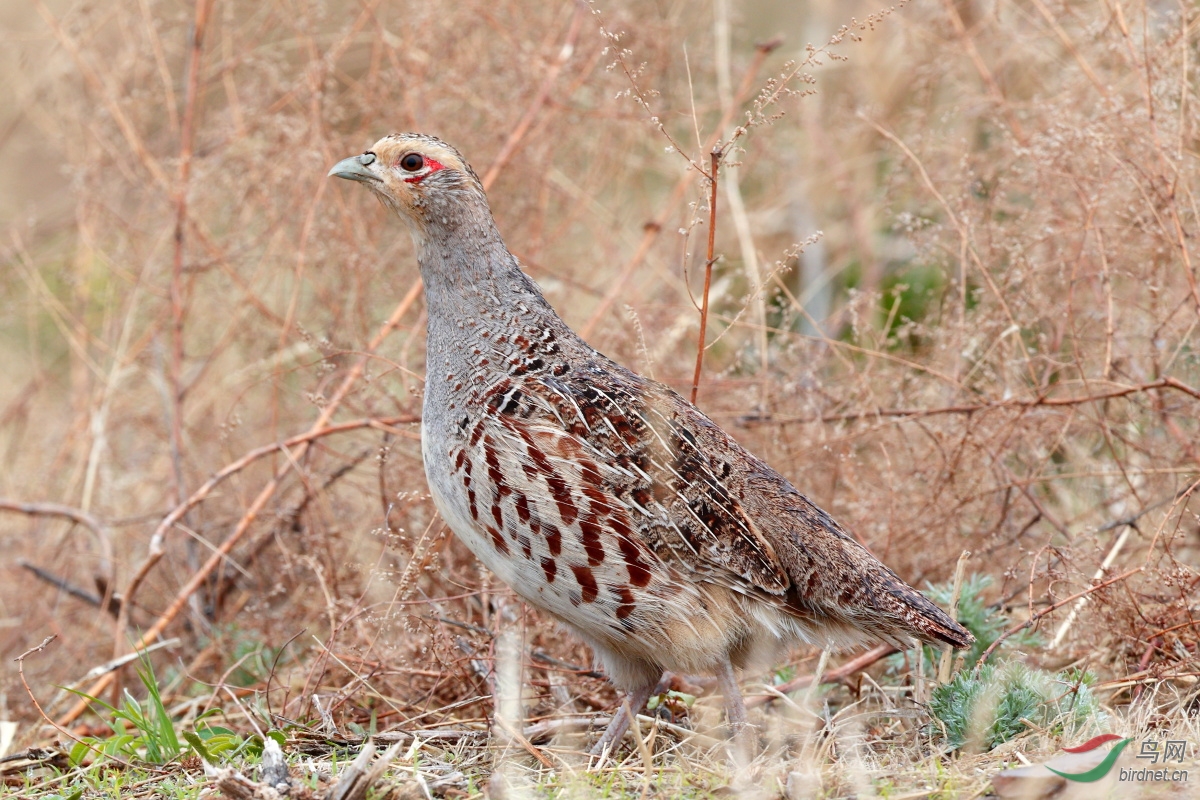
{"points": [[603, 497]]}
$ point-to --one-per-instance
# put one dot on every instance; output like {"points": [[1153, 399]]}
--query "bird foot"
{"points": [[622, 718]]}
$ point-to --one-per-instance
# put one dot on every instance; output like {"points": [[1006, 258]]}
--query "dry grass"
{"points": [[991, 346]]}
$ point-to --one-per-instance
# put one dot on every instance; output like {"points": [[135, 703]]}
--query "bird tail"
{"points": [[912, 614]]}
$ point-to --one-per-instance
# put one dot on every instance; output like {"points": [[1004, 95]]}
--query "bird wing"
{"points": [[704, 504], [830, 576], [643, 457]]}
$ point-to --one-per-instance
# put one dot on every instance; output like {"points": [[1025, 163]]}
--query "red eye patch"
{"points": [[434, 166]]}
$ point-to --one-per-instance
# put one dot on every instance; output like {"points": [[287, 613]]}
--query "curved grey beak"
{"points": [[355, 169]]}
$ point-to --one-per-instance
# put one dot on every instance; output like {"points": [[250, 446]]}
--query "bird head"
{"points": [[423, 180]]}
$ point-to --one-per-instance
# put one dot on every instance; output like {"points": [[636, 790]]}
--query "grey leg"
{"points": [[620, 721], [735, 709]]}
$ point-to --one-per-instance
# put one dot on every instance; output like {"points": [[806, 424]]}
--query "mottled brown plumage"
{"points": [[603, 497]]}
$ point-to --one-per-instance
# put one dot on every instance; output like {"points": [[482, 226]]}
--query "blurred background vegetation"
{"points": [[988, 340]]}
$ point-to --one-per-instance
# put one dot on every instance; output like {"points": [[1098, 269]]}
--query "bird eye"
{"points": [[412, 162]]}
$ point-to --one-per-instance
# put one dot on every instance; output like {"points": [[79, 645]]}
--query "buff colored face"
{"points": [[397, 166]]}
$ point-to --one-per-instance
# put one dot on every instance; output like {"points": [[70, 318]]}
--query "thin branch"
{"points": [[851, 667], [715, 156], [56, 725], [654, 228], [96, 82], [518, 133], [971, 408], [65, 586], [301, 442], [77, 515], [1049, 609], [178, 300], [960, 227], [960, 569], [989, 80]]}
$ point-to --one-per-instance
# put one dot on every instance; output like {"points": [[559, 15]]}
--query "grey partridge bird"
{"points": [[603, 497]]}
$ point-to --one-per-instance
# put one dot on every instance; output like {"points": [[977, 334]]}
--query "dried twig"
{"points": [[364, 772], [65, 586], [58, 726], [301, 441], [1050, 609], [177, 292], [989, 80], [551, 77], [715, 164], [947, 654], [654, 228], [89, 521], [837, 675], [733, 194], [963, 232], [1042, 401], [1109, 558], [518, 737]]}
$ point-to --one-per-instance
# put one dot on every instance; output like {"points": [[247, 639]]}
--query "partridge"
{"points": [[603, 497]]}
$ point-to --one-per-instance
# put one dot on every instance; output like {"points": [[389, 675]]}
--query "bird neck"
{"points": [[466, 269], [474, 284]]}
